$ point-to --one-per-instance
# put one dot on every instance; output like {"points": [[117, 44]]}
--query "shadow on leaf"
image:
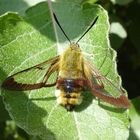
{"points": [[25, 112]]}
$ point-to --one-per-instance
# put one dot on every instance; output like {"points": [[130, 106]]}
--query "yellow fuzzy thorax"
{"points": [[71, 62]]}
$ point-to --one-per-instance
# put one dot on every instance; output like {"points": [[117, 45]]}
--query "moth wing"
{"points": [[34, 77], [104, 89]]}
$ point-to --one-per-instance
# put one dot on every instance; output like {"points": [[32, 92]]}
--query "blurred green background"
{"points": [[124, 18]]}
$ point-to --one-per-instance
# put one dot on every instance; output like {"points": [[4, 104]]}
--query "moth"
{"points": [[74, 74]]}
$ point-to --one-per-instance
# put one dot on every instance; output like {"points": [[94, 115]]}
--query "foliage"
{"points": [[135, 119], [26, 36]]}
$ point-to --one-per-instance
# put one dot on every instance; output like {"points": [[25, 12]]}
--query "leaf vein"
{"points": [[25, 34]]}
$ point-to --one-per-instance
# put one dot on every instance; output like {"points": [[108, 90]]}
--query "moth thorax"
{"points": [[72, 59], [71, 74]]}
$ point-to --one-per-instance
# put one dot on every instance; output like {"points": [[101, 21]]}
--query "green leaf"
{"points": [[3, 112], [135, 119], [19, 6], [121, 2], [117, 32], [30, 40], [89, 1]]}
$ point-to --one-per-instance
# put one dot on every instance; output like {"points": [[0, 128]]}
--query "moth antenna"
{"points": [[88, 29], [60, 27]]}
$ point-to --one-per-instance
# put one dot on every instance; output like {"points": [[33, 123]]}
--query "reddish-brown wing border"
{"points": [[120, 101], [11, 84]]}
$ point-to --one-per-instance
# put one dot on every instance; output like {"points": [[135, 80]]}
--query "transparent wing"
{"points": [[104, 89], [34, 77]]}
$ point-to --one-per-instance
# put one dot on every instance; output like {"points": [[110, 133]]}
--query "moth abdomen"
{"points": [[68, 92]]}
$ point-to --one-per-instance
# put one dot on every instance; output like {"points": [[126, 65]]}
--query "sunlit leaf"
{"points": [[89, 1], [117, 32], [121, 2], [27, 41], [135, 119]]}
